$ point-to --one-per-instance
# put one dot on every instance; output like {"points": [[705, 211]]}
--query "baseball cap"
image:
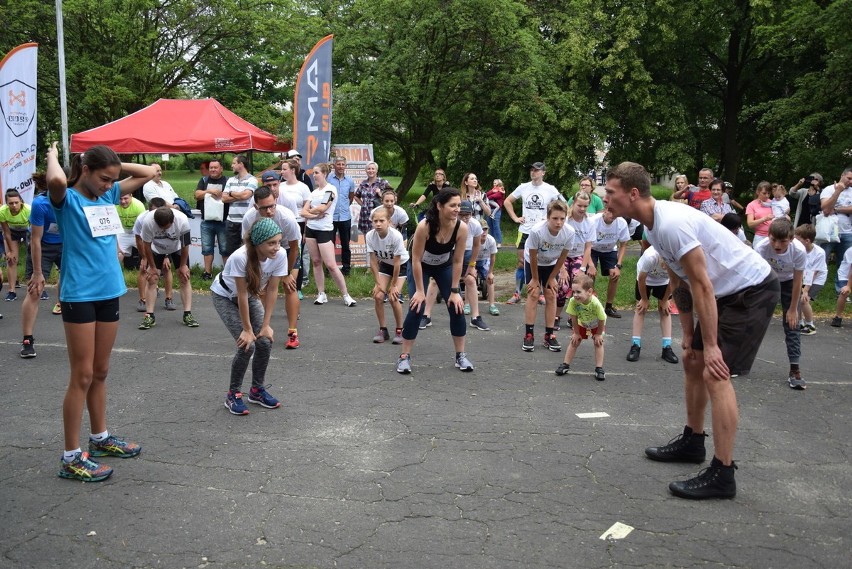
{"points": [[270, 176], [466, 207], [537, 166], [483, 223], [292, 153]]}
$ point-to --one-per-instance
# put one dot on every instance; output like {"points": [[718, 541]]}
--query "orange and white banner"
{"points": [[18, 131]]}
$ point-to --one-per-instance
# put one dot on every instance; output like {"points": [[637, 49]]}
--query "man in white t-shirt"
{"points": [[837, 198], [165, 235], [733, 293], [159, 188], [534, 196]]}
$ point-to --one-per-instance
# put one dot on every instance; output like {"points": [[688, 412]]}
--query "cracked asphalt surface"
{"points": [[362, 467]]}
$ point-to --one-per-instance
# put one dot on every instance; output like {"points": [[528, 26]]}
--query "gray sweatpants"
{"points": [[229, 312]]}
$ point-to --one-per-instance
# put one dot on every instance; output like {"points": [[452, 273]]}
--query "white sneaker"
{"points": [[349, 301], [321, 298]]}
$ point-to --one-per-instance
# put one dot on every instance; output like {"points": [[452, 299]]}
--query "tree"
{"points": [[431, 74]]}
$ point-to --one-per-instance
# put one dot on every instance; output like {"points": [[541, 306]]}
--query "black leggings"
{"points": [[443, 276]]}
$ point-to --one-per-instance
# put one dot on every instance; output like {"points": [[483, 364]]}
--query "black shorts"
{"points": [[387, 269], [743, 319], [522, 240], [608, 260], [51, 254], [87, 312], [657, 291], [233, 236], [320, 236], [173, 257], [543, 274], [20, 235]]}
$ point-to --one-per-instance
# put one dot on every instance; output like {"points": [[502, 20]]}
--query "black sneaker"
{"points": [[556, 324], [715, 481], [425, 322], [563, 368], [687, 447], [205, 276], [612, 312], [836, 322], [668, 355], [633, 354], [28, 348], [551, 343], [600, 374], [529, 343], [479, 323]]}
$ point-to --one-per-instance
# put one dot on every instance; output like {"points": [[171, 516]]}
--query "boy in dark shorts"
{"points": [[733, 293]]}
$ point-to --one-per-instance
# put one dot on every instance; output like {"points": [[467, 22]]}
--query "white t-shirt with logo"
{"points": [[236, 267], [534, 200], [165, 241], [608, 236], [654, 268], [487, 249], [584, 232], [549, 246], [387, 248], [795, 258], [679, 228]]}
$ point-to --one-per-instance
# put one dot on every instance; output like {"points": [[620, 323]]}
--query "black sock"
{"points": [[608, 305], [187, 312], [458, 354], [548, 331], [794, 367], [530, 328], [29, 337]]}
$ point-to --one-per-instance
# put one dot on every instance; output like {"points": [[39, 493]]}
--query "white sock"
{"points": [[99, 436], [70, 455]]}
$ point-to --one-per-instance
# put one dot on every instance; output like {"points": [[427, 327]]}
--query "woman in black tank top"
{"points": [[437, 251]]}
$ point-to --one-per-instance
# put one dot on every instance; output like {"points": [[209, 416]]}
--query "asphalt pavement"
{"points": [[507, 466]]}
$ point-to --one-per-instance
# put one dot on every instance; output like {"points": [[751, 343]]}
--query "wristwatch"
{"points": [[618, 266], [455, 290]]}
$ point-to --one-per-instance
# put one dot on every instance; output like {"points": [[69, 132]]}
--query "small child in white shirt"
{"points": [[780, 204]]}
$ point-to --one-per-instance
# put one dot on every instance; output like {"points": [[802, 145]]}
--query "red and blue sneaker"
{"points": [[84, 469], [114, 446]]}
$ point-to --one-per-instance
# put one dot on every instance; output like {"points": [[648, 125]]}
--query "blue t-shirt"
{"points": [[90, 269], [42, 215]]}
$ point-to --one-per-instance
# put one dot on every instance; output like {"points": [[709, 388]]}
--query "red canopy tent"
{"points": [[179, 126]]}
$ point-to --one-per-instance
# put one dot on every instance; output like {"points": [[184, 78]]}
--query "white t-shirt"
{"points": [[236, 267], [487, 249], [284, 218], [844, 220], [297, 194], [795, 258], [164, 190], [398, 218], [534, 200], [654, 268], [845, 264], [388, 248], [679, 228], [235, 184], [607, 237], [549, 246], [165, 241], [816, 268], [326, 195], [584, 232], [474, 231]]}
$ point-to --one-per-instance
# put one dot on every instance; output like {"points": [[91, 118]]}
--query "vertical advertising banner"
{"points": [[312, 106], [18, 131]]}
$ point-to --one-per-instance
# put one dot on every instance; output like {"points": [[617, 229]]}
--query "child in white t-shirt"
{"points": [[388, 259], [788, 259], [813, 279], [780, 205]]}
